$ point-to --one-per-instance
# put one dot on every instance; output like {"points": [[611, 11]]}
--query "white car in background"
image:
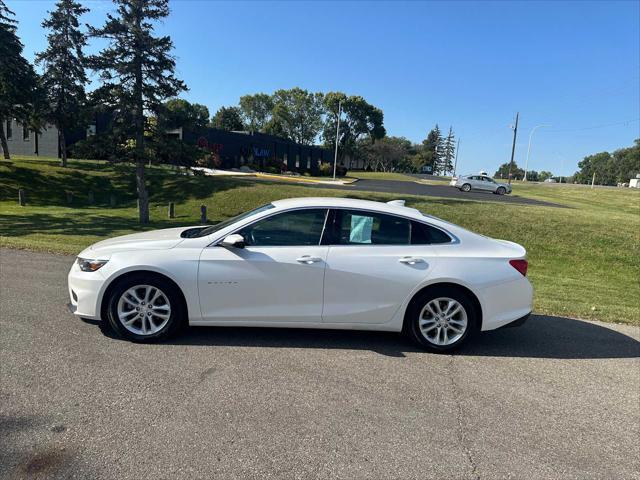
{"points": [[312, 263], [466, 183]]}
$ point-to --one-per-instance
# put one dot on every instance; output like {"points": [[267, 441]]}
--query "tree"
{"points": [[227, 118], [610, 169], [388, 153], [299, 114], [429, 154], [256, 111], [503, 171], [533, 176], [177, 112], [448, 152], [17, 77], [137, 71], [361, 123], [543, 175], [64, 74]]}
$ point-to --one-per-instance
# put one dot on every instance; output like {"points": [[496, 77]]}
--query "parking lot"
{"points": [[556, 398]]}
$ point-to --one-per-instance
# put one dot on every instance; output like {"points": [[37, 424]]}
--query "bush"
{"points": [[95, 147], [326, 170]]}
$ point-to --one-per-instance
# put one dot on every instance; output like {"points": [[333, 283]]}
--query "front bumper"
{"points": [[84, 292]]}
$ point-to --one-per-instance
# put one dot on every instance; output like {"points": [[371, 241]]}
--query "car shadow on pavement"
{"points": [[540, 337]]}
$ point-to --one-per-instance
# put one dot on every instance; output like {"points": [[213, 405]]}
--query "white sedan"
{"points": [[311, 263]]}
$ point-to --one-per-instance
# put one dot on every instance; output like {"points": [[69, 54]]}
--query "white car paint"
{"points": [[364, 287]]}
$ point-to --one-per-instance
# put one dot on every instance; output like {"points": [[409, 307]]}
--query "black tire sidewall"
{"points": [[412, 327], [501, 191], [466, 187], [175, 319]]}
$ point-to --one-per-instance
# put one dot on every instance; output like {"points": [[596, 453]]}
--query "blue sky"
{"points": [[574, 65]]}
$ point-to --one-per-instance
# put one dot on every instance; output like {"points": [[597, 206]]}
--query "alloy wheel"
{"points": [[144, 309], [443, 321]]}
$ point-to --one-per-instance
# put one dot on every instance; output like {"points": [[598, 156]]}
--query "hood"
{"points": [[152, 240]]}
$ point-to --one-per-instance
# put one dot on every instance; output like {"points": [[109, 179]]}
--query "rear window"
{"points": [[423, 234]]}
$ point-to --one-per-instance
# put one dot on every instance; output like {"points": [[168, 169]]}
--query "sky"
{"points": [[471, 65]]}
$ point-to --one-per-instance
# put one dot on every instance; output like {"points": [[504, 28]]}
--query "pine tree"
{"points": [[432, 149], [137, 70], [64, 74], [448, 152], [17, 77]]}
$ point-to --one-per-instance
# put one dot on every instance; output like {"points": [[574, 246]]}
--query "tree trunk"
{"points": [[143, 196], [63, 147], [3, 141]]}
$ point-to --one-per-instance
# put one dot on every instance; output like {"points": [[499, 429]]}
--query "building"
{"points": [[235, 149], [23, 141]]}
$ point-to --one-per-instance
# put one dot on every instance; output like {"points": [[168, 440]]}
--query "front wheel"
{"points": [[466, 187], [501, 191], [145, 309], [441, 319]]}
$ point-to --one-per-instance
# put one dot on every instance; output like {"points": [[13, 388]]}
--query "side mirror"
{"points": [[234, 241]]}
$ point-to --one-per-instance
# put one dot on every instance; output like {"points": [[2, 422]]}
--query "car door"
{"points": [[476, 183], [372, 266], [277, 277]]}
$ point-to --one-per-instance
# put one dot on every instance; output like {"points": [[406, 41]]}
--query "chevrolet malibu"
{"points": [[307, 263]]}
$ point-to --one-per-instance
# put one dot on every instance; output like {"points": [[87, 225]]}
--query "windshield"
{"points": [[219, 226]]}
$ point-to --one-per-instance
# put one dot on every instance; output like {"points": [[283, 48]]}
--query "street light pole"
{"points": [[455, 162], [526, 164], [513, 147], [335, 156]]}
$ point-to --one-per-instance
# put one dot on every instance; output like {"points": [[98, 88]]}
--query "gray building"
{"points": [[22, 141]]}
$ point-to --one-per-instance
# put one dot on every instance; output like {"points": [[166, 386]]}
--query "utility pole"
{"points": [[513, 147], [335, 157], [593, 180], [455, 162]]}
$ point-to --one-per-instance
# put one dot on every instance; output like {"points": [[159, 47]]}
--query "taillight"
{"points": [[521, 265]]}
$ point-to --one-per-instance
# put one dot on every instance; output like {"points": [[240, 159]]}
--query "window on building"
{"points": [[25, 132], [308, 163], [361, 228], [9, 130], [297, 161], [299, 227]]}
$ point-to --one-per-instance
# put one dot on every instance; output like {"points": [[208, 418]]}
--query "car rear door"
{"points": [[371, 267], [278, 276]]}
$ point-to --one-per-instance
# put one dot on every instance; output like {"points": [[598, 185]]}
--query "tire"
{"points": [[159, 303], [466, 187], [501, 191], [419, 313]]}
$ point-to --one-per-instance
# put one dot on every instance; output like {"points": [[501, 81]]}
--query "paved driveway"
{"points": [[400, 187], [557, 398]]}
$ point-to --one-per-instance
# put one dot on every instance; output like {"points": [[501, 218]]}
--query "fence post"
{"points": [[69, 197], [172, 210], [203, 214], [22, 199], [91, 197]]}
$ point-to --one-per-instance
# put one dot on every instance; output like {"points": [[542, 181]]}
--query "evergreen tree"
{"points": [[17, 77], [64, 74], [431, 151], [448, 152], [137, 70]]}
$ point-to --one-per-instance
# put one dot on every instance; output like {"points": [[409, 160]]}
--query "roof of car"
{"points": [[348, 203]]}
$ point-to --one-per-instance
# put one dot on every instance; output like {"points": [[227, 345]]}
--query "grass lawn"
{"points": [[382, 176], [584, 259]]}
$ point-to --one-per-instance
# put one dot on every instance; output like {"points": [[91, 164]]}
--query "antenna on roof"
{"points": [[399, 203]]}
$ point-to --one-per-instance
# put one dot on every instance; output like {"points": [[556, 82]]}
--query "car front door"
{"points": [[277, 277], [372, 266]]}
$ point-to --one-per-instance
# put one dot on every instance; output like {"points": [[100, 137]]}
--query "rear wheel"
{"points": [[501, 191], [145, 309], [441, 319], [466, 187]]}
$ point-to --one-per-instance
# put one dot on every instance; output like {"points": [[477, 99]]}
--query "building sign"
{"points": [[260, 152]]}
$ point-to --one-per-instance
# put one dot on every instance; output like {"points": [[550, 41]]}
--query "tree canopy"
{"points": [[228, 118], [610, 168]]}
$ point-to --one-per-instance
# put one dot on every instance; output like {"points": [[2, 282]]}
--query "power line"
{"points": [[626, 122]]}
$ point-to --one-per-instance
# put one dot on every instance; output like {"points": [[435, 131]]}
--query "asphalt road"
{"points": [[556, 398], [444, 191]]}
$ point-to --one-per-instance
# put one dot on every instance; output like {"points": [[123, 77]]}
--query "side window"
{"points": [[299, 227], [423, 234], [355, 227]]}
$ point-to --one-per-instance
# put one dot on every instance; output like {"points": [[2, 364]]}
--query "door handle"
{"points": [[307, 259], [411, 260]]}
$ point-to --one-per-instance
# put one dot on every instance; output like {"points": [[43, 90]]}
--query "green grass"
{"points": [[584, 258]]}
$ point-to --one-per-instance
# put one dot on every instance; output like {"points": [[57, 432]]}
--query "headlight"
{"points": [[89, 265]]}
